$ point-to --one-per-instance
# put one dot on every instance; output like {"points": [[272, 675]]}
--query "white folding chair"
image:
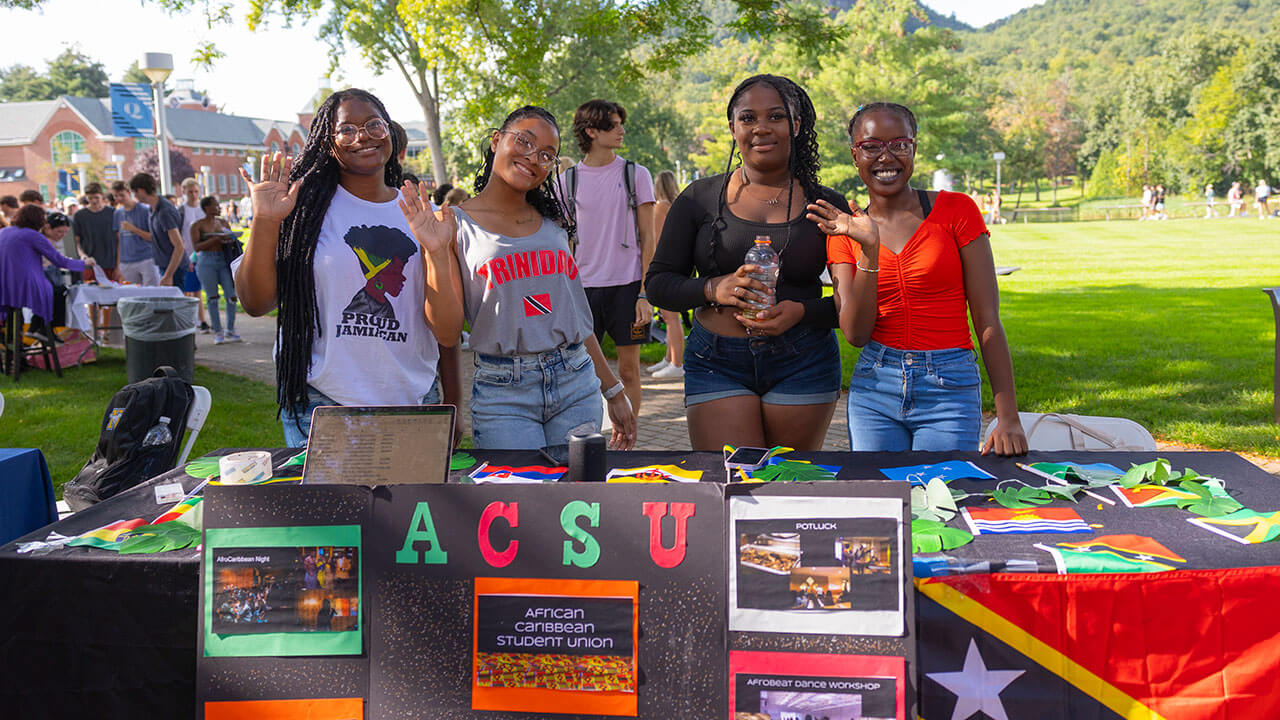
{"points": [[195, 419], [1061, 431]]}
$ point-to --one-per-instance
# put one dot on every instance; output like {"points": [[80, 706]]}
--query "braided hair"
{"points": [[298, 320], [901, 111], [803, 161], [545, 198]]}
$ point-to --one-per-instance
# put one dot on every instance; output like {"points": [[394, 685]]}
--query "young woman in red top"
{"points": [[921, 259]]}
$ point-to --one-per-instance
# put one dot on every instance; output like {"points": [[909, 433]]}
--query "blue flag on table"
{"points": [[131, 110]]}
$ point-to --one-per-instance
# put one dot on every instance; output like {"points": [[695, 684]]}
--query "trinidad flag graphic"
{"points": [[535, 305], [1182, 645]]}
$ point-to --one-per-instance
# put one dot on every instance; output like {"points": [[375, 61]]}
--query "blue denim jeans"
{"points": [[914, 400], [799, 367], [297, 421], [533, 401], [213, 271]]}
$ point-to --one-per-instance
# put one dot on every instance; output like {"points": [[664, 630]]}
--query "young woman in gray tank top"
{"points": [[501, 261]]}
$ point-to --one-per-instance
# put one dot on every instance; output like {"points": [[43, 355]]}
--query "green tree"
{"points": [[22, 82], [76, 74], [134, 74]]}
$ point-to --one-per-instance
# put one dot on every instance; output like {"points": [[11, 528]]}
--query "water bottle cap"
{"points": [[164, 419]]}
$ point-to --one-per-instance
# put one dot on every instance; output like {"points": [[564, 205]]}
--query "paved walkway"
{"points": [[662, 418]]}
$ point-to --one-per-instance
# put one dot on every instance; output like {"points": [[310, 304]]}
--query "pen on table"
{"points": [[1060, 481]]}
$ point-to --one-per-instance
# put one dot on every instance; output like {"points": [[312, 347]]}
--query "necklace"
{"points": [[776, 198]]}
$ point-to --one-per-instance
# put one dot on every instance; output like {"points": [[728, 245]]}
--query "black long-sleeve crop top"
{"points": [[698, 236]]}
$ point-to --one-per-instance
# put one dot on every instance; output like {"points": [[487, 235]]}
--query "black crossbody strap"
{"points": [[925, 205]]}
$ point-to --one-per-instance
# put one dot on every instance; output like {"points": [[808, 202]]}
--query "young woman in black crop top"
{"points": [[772, 380]]}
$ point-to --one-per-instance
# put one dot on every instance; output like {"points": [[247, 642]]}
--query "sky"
{"points": [[270, 73]]}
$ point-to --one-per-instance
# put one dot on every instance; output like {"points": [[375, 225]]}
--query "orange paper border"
{"points": [[307, 709], [556, 701]]}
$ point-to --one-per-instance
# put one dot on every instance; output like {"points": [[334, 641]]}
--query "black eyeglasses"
{"points": [[347, 134], [525, 147], [899, 147]]}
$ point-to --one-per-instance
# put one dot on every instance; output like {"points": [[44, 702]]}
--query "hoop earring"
{"points": [[378, 285]]}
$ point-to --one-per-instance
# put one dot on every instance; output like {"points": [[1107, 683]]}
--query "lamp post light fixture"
{"points": [[81, 161], [118, 161], [157, 67]]}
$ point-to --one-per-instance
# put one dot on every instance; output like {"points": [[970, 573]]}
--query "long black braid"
{"points": [[803, 160], [545, 198], [298, 320]]}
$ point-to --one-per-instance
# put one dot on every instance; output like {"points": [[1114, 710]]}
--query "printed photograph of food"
{"points": [[775, 553], [603, 673]]}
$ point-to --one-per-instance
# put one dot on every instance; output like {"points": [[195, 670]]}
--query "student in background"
{"points": [[666, 191]]}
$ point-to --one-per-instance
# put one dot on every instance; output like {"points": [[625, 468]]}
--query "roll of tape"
{"points": [[244, 468]]}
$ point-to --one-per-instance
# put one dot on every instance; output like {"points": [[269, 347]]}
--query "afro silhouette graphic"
{"points": [[383, 252]]}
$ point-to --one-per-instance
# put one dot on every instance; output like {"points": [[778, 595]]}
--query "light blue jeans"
{"points": [[212, 269], [297, 421], [914, 400], [526, 402]]}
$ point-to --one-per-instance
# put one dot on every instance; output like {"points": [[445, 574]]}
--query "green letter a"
{"points": [[435, 555]]}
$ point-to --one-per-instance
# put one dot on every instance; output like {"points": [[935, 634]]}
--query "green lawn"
{"points": [[62, 417], [1164, 323]]}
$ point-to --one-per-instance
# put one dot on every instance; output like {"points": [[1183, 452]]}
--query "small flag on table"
{"points": [[654, 473], [1113, 554], [487, 473], [183, 512], [1002, 521], [107, 537]]}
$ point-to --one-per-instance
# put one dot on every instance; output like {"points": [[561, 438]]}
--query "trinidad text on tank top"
{"points": [[521, 295]]}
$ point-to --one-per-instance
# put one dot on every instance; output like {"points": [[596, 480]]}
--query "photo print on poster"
{"points": [[555, 646], [787, 686], [306, 709], [282, 591], [828, 565]]}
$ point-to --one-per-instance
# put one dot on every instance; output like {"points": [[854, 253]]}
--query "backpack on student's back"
{"points": [[571, 188], [120, 460]]}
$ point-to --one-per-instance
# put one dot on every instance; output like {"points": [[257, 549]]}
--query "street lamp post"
{"points": [[81, 161], [118, 161], [998, 156], [204, 179], [157, 67]]}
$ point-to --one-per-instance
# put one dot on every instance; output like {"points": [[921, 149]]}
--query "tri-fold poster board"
{"points": [[681, 600]]}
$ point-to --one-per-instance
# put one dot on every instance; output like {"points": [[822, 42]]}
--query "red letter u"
{"points": [[674, 555]]}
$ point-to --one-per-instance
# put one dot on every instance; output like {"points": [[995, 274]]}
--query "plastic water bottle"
{"points": [[158, 435], [763, 256]]}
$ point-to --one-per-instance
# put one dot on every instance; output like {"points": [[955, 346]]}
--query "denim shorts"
{"points": [[799, 367], [297, 421], [914, 400], [527, 402]]}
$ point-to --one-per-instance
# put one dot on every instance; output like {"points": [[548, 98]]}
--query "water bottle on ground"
{"points": [[763, 256], [158, 435]]}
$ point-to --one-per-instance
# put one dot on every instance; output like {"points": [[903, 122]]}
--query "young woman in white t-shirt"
{"points": [[501, 261], [330, 247]]}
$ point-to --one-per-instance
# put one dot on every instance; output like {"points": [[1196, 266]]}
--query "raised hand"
{"points": [[831, 220], [273, 198], [434, 232]]}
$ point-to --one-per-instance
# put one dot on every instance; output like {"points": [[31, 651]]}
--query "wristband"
{"points": [[866, 269], [612, 392]]}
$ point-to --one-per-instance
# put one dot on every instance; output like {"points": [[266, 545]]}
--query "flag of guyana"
{"points": [[1179, 645]]}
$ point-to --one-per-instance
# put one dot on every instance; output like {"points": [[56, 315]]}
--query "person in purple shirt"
{"points": [[22, 279]]}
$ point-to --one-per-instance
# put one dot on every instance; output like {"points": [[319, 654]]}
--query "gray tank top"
{"points": [[521, 295]]}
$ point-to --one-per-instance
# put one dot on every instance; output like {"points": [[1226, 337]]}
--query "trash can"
{"points": [[158, 331]]}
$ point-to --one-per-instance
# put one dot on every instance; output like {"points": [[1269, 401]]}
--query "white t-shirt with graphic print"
{"points": [[375, 347]]}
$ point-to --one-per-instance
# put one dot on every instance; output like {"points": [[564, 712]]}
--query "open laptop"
{"points": [[388, 445]]}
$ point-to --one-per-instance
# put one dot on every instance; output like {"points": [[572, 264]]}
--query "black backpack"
{"points": [[120, 461]]}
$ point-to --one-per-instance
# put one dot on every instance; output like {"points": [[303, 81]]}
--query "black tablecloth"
{"points": [[87, 631]]}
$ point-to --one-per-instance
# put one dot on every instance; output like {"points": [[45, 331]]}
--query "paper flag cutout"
{"points": [[1147, 496], [107, 536], [1000, 521], [182, 512], [1248, 527], [1113, 554], [946, 471], [654, 473], [522, 474]]}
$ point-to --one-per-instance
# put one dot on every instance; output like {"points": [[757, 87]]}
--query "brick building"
{"points": [[40, 141]]}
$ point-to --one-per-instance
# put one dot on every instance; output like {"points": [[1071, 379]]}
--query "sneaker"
{"points": [[204, 328], [219, 339], [232, 337], [670, 372], [655, 368]]}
